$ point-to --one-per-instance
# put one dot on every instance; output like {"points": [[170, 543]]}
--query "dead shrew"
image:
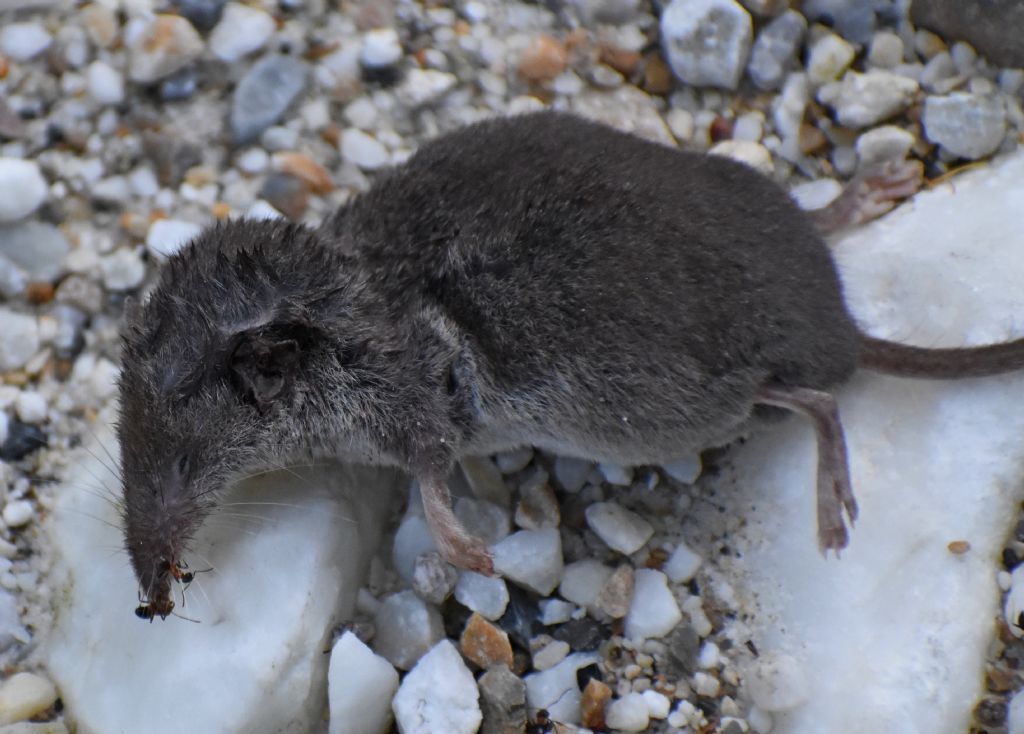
{"points": [[537, 280]]}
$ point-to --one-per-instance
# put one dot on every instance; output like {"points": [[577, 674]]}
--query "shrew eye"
{"points": [[183, 465]]}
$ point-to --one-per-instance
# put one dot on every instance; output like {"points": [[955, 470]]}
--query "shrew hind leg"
{"points": [[455, 544], [835, 494]]}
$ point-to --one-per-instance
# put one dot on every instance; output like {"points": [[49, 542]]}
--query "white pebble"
{"points": [[241, 30], [619, 528], [572, 473], [829, 57], [760, 721], [686, 470], [629, 713], [105, 83], [531, 558], [658, 704], [710, 656], [706, 685], [261, 209], [25, 695], [557, 690], [23, 186], [438, 695], [18, 513], [777, 682], [253, 161], [682, 564], [555, 611], [406, 628], [30, 406], [484, 595], [582, 581], [381, 48], [365, 151], [5, 424], [19, 338], [746, 152], [167, 236], [1013, 608], [360, 688], [653, 611], [550, 655], [423, 86], [23, 41], [122, 269], [621, 476]]}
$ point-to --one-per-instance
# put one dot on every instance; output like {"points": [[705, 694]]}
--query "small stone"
{"points": [[364, 150], [241, 30], [706, 685], [816, 194], [710, 656], [406, 628], [628, 713], [686, 470], [30, 406], [17, 513], [543, 60], [550, 655], [657, 75], [829, 58], [582, 634], [617, 593], [852, 19], [304, 168], [886, 50], [100, 23], [253, 161], [511, 462], [555, 611], [360, 687], [658, 704], [122, 270], [23, 41], [24, 188], [484, 520], [264, 94], [538, 508], [22, 440], [939, 73], [572, 473], [166, 237], [484, 644], [682, 565], [25, 695], [596, 696], [179, 85], [438, 695], [860, 100], [583, 580], [261, 209], [381, 48], [706, 42], [620, 476], [412, 539], [557, 689], [19, 339], [653, 611], [104, 83], [746, 152], [286, 193], [965, 125], [433, 578], [203, 14], [166, 45], [760, 721], [503, 702], [883, 144], [485, 595], [531, 558], [620, 529], [37, 248], [424, 86], [774, 52], [485, 480]]}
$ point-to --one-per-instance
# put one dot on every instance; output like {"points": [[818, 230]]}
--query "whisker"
{"points": [[102, 445]]}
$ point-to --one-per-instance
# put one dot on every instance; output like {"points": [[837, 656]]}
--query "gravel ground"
{"points": [[125, 126]]}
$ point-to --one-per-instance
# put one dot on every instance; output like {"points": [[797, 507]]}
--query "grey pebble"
{"points": [[706, 42], [571, 473], [264, 94], [502, 702], [203, 14], [774, 52], [19, 339], [966, 125], [433, 578], [12, 279]]}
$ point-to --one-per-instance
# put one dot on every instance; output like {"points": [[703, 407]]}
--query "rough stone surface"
{"points": [[438, 695], [860, 100], [774, 51], [264, 94], [360, 687], [706, 42], [23, 186], [965, 125]]}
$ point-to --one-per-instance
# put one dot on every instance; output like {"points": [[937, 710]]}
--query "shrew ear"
{"points": [[263, 365]]}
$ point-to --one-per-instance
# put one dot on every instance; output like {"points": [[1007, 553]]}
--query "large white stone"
{"points": [[531, 558], [931, 462], [619, 528], [557, 690], [22, 188], [653, 611], [242, 29], [438, 695], [706, 42], [253, 661], [360, 687]]}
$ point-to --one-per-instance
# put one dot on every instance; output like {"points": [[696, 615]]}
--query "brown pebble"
{"points": [[959, 547], [287, 194], [656, 559], [657, 75], [623, 61], [544, 59], [812, 140], [721, 129], [595, 697], [538, 508], [999, 680], [331, 135], [100, 24], [305, 168], [616, 595], [38, 293], [221, 210], [484, 644]]}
